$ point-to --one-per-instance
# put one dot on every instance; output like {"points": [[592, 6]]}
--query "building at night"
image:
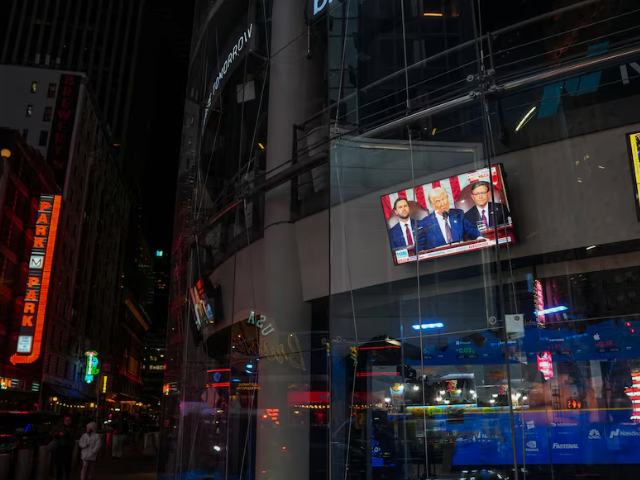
{"points": [[82, 311], [25, 176], [99, 39], [407, 242]]}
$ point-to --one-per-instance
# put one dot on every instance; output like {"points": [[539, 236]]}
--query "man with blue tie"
{"points": [[489, 213], [444, 225], [403, 234]]}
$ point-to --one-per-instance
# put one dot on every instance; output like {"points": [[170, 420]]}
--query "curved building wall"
{"points": [[341, 305]]}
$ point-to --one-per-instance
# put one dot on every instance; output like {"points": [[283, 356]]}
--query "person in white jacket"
{"points": [[90, 445]]}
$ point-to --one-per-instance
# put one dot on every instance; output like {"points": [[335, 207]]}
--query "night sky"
{"points": [[158, 109]]}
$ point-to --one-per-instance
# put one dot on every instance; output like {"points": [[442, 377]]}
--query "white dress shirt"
{"points": [[442, 223], [403, 227]]}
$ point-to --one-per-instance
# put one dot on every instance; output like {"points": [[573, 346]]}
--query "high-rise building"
{"points": [[407, 242], [99, 39], [25, 177], [83, 302]]}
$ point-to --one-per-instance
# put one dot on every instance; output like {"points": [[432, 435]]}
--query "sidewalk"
{"points": [[132, 466]]}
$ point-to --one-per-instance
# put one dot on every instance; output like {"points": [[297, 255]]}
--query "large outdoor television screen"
{"points": [[634, 151], [454, 215], [205, 303]]}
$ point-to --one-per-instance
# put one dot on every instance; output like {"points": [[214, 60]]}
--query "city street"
{"points": [[129, 468]]}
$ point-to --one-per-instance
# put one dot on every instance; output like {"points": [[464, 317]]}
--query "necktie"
{"points": [[447, 228], [484, 219], [409, 237]]}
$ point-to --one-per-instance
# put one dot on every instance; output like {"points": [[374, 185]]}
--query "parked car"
{"points": [[28, 429], [8, 443]]}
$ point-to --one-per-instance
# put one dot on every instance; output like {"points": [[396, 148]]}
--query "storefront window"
{"points": [[414, 240]]}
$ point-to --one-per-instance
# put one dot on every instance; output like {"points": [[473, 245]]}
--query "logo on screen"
{"points": [[565, 446], [594, 434], [402, 254], [532, 446], [530, 425], [623, 433]]}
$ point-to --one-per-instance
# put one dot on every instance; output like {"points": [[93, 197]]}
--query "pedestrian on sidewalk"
{"points": [[119, 434], [90, 447], [64, 441]]}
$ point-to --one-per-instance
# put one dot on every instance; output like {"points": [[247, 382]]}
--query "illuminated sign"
{"points": [[243, 41], [59, 148], [105, 381], [538, 300], [320, 5], [92, 366], [545, 365], [634, 394], [38, 279], [6, 383], [634, 148], [159, 253]]}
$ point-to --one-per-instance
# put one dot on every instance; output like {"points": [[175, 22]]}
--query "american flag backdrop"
{"points": [[453, 186]]}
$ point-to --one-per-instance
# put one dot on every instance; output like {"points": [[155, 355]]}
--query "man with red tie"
{"points": [[403, 234], [489, 213]]}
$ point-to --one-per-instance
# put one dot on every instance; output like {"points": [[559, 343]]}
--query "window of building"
{"points": [[44, 136], [25, 132], [51, 93], [29, 110], [48, 112], [34, 87]]}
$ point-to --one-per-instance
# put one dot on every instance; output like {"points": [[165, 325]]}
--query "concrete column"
{"points": [[24, 462], [282, 452], [5, 465], [44, 459]]}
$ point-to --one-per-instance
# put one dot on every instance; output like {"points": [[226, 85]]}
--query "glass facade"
{"points": [[407, 242]]}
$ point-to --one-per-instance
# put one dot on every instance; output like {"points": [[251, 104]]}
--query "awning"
{"points": [[68, 392]]}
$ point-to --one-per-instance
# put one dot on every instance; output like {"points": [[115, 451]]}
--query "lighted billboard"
{"points": [[463, 213], [634, 153], [38, 279]]}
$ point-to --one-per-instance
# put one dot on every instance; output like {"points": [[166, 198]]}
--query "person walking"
{"points": [[90, 445], [119, 435], [64, 442]]}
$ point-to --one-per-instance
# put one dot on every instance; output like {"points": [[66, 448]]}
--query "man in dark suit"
{"points": [[444, 225], [489, 213], [403, 234]]}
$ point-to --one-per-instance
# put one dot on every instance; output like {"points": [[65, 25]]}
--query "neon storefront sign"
{"points": [[38, 281], [92, 366]]}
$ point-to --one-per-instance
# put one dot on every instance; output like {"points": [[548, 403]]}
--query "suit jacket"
{"points": [[497, 217], [397, 237], [431, 235]]}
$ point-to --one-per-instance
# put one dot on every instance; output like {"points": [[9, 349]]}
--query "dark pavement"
{"points": [[130, 467]]}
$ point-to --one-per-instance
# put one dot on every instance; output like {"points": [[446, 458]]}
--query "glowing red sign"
{"points": [[634, 394], [545, 365], [38, 278], [538, 300]]}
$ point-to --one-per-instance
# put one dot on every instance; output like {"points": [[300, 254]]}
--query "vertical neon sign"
{"points": [[38, 279], [92, 365], [538, 301]]}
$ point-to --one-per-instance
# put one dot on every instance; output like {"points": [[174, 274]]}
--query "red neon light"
{"points": [[378, 348], [44, 288], [219, 370], [376, 374], [223, 384]]}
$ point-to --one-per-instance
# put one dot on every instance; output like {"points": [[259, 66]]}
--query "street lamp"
{"points": [[5, 152]]}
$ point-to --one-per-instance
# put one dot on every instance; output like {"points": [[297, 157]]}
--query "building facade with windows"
{"points": [[406, 242], [84, 302]]}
